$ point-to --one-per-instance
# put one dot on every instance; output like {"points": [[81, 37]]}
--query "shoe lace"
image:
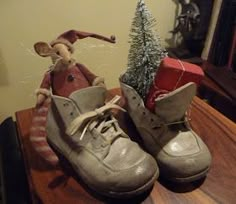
{"points": [[100, 118]]}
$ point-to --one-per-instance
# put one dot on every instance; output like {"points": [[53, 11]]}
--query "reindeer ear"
{"points": [[43, 49]]}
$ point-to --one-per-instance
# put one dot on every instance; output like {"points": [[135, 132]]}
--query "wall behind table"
{"points": [[27, 21]]}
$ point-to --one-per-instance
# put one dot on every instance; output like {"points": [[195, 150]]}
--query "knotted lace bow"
{"points": [[91, 116]]}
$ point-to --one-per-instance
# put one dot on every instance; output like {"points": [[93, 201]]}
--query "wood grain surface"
{"points": [[61, 185]]}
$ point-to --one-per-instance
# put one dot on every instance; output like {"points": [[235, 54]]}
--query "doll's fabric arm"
{"points": [[44, 91]]}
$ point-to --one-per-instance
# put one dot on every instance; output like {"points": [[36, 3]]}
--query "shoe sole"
{"points": [[113, 194], [128, 194], [195, 177]]}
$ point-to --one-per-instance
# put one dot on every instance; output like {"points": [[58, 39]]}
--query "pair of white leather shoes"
{"points": [[83, 129]]}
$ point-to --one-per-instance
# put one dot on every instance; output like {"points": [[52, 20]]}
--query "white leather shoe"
{"points": [[180, 153], [99, 151]]}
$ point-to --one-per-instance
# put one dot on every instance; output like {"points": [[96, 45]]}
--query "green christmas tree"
{"points": [[145, 52]]}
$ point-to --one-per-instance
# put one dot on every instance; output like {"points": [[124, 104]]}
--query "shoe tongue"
{"points": [[88, 99], [172, 107]]}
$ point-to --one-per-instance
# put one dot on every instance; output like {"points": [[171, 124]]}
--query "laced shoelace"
{"points": [[100, 118]]}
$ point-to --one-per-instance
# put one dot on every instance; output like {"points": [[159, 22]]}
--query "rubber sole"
{"points": [[192, 178], [129, 194]]}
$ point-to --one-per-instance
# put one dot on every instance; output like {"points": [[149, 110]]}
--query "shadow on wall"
{"points": [[3, 71]]}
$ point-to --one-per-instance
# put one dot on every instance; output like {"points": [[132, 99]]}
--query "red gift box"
{"points": [[172, 74]]}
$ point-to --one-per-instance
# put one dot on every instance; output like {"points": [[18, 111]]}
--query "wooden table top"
{"points": [[59, 185]]}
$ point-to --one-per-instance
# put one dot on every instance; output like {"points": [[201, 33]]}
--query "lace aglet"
{"points": [[82, 136], [83, 133]]}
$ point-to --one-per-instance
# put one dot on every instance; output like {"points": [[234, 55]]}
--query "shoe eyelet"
{"points": [[134, 97]]}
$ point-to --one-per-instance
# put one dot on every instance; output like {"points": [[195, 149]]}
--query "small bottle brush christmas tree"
{"points": [[145, 52]]}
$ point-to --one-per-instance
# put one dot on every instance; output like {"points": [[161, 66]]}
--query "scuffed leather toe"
{"points": [[134, 169], [185, 169], [137, 178], [124, 173], [185, 166]]}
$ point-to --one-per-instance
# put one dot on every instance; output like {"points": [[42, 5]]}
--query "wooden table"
{"points": [[59, 185]]}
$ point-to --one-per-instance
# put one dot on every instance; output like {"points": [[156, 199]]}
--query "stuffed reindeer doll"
{"points": [[64, 77]]}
